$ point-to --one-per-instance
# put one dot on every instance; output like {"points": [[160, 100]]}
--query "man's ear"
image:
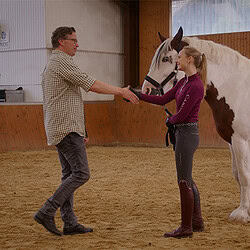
{"points": [[61, 41]]}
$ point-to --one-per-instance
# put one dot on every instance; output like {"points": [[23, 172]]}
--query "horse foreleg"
{"points": [[241, 151], [234, 164]]}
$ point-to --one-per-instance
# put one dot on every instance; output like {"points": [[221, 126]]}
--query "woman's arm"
{"points": [[160, 100]]}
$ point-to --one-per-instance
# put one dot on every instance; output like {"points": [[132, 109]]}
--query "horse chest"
{"points": [[222, 113]]}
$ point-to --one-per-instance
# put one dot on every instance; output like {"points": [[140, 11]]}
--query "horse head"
{"points": [[163, 70]]}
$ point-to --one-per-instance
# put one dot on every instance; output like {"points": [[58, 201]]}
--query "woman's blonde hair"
{"points": [[200, 63]]}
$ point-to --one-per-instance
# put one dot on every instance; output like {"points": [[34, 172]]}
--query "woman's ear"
{"points": [[190, 59]]}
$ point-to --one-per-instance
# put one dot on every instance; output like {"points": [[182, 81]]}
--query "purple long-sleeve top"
{"points": [[188, 93]]}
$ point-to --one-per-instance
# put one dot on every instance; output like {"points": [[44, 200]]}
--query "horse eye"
{"points": [[170, 59], [165, 59]]}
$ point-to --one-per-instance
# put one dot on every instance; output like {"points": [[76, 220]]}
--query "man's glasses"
{"points": [[74, 40]]}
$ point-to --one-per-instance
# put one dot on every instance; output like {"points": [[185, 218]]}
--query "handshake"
{"points": [[152, 91], [137, 93]]}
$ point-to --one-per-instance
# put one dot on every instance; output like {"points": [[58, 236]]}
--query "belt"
{"points": [[187, 124]]}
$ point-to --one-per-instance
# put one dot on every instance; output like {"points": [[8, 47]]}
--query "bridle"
{"points": [[160, 86]]}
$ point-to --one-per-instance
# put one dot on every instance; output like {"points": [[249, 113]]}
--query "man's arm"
{"points": [[104, 88], [72, 73]]}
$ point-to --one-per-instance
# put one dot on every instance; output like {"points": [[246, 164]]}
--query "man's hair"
{"points": [[61, 33]]}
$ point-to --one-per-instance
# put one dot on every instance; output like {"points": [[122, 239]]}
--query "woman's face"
{"points": [[183, 61]]}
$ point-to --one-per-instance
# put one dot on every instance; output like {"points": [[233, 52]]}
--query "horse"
{"points": [[227, 94]]}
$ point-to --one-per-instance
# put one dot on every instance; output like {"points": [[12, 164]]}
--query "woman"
{"points": [[188, 93]]}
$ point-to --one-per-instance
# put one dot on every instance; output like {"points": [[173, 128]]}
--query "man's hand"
{"points": [[86, 138], [127, 94], [137, 93]]}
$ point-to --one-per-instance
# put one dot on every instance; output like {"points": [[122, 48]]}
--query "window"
{"points": [[200, 17]]}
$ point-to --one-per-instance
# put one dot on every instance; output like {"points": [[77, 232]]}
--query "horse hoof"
{"points": [[240, 215]]}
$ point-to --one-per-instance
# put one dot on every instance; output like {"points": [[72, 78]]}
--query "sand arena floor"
{"points": [[131, 200]]}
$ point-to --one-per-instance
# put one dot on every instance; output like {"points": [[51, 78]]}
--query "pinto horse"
{"points": [[228, 94]]}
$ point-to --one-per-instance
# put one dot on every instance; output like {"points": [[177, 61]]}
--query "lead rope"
{"points": [[170, 132]]}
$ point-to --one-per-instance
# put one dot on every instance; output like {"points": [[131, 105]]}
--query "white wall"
{"points": [[30, 24], [23, 60], [99, 28]]}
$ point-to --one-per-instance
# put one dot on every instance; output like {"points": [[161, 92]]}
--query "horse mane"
{"points": [[215, 52], [218, 53]]}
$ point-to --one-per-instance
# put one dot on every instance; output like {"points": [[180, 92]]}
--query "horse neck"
{"points": [[223, 63]]}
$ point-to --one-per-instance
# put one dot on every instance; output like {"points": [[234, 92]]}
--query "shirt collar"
{"points": [[59, 52], [192, 77]]}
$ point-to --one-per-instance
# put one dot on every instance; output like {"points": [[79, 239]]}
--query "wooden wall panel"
{"points": [[101, 120], [21, 127], [153, 18], [131, 43], [142, 124]]}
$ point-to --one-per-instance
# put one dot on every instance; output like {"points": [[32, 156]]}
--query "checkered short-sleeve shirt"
{"points": [[62, 100]]}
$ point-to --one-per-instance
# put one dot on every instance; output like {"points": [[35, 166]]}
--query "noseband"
{"points": [[160, 86]]}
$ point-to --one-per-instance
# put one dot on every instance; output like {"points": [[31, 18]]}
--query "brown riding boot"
{"points": [[198, 224], [187, 204]]}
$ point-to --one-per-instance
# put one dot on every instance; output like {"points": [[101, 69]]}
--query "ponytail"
{"points": [[202, 71], [200, 63]]}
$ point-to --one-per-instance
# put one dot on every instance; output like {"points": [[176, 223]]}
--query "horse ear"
{"points": [[177, 39], [162, 37]]}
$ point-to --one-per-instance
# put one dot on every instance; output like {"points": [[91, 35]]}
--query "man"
{"points": [[65, 126]]}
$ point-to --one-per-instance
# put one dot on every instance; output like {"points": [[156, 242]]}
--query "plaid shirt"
{"points": [[62, 100]]}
